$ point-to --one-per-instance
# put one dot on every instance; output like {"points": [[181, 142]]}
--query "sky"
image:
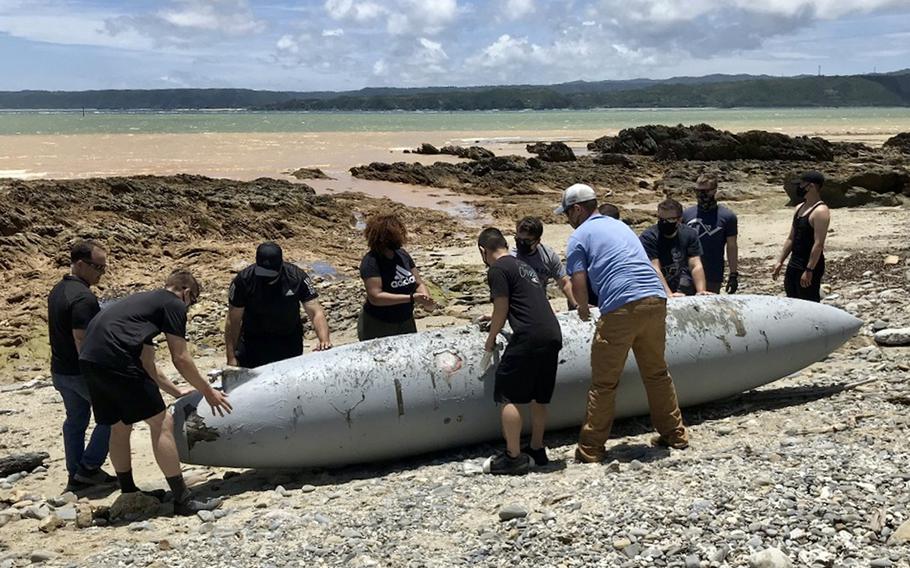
{"points": [[349, 44]]}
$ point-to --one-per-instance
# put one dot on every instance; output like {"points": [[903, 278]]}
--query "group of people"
{"points": [[103, 360]]}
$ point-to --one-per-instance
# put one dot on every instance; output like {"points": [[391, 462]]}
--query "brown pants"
{"points": [[640, 326]]}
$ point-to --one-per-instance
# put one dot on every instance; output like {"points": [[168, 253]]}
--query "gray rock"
{"points": [[140, 526], [308, 488], [67, 514], [770, 558], [512, 511], [881, 563], [38, 556], [692, 561], [205, 516], [879, 325], [893, 337], [39, 512]]}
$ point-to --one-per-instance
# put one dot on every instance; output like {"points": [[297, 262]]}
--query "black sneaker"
{"points": [[94, 476], [539, 455], [74, 486], [503, 464], [189, 506]]}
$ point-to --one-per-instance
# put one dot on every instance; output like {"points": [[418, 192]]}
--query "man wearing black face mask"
{"points": [[675, 252], [544, 260], [717, 229], [806, 241], [263, 323]]}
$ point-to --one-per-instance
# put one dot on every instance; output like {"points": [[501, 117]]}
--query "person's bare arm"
{"points": [[820, 219], [497, 321], [579, 283], [565, 284], [78, 338], [316, 314], [422, 295], [232, 333], [788, 247], [698, 275], [660, 274], [147, 357], [733, 254], [183, 361]]}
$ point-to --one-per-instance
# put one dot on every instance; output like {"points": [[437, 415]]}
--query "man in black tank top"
{"points": [[806, 243]]}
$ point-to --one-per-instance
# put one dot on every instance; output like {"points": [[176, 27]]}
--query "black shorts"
{"points": [[127, 395], [794, 288], [526, 373]]}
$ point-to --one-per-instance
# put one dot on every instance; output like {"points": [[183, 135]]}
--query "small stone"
{"points": [[66, 514], [621, 543], [879, 325], [893, 337], [38, 556], [901, 535], [206, 528], [797, 534], [280, 490], [880, 563], [164, 544], [892, 259], [614, 467], [636, 465], [725, 430], [205, 516], [39, 512], [140, 526], [308, 488], [351, 533], [83, 515], [512, 511], [471, 468], [50, 523], [770, 558], [632, 550], [692, 561]]}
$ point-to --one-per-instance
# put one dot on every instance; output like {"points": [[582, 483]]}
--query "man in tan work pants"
{"points": [[633, 305]]}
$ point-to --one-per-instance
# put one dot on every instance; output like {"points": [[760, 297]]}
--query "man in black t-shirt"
{"points": [[675, 251], [118, 362], [71, 305], [263, 322], [527, 370]]}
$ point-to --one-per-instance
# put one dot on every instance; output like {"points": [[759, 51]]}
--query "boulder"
{"points": [[882, 180], [309, 173], [705, 143], [470, 153], [838, 192], [552, 152], [133, 506], [426, 148], [901, 142]]}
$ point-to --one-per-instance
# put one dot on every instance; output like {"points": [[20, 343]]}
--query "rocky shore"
{"points": [[808, 471]]}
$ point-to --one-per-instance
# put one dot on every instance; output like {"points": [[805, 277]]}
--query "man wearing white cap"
{"points": [[633, 308]]}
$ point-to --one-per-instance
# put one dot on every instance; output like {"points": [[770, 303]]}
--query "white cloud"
{"points": [[231, 17], [337, 32], [350, 10], [507, 51], [518, 9], [402, 17]]}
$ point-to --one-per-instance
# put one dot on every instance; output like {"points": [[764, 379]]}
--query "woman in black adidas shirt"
{"points": [[391, 280]]}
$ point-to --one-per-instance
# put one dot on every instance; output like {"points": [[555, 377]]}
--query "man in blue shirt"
{"points": [[633, 308], [717, 229]]}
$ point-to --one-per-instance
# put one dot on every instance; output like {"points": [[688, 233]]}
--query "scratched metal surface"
{"points": [[406, 395]]}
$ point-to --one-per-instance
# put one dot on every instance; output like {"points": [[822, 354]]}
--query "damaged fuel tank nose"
{"points": [[196, 429]]}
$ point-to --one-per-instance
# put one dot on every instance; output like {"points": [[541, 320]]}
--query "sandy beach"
{"points": [[812, 464]]}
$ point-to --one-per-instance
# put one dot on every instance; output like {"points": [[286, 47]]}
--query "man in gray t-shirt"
{"points": [[545, 261]]}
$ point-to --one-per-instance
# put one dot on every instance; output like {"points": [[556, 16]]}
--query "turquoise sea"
{"points": [[869, 121]]}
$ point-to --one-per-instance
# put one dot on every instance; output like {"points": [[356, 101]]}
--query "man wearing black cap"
{"points": [[806, 243], [263, 322]]}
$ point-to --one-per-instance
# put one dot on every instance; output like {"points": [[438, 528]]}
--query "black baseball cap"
{"points": [[268, 260], [813, 176]]}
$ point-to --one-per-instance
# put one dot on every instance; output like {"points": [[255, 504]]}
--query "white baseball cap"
{"points": [[578, 193]]}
